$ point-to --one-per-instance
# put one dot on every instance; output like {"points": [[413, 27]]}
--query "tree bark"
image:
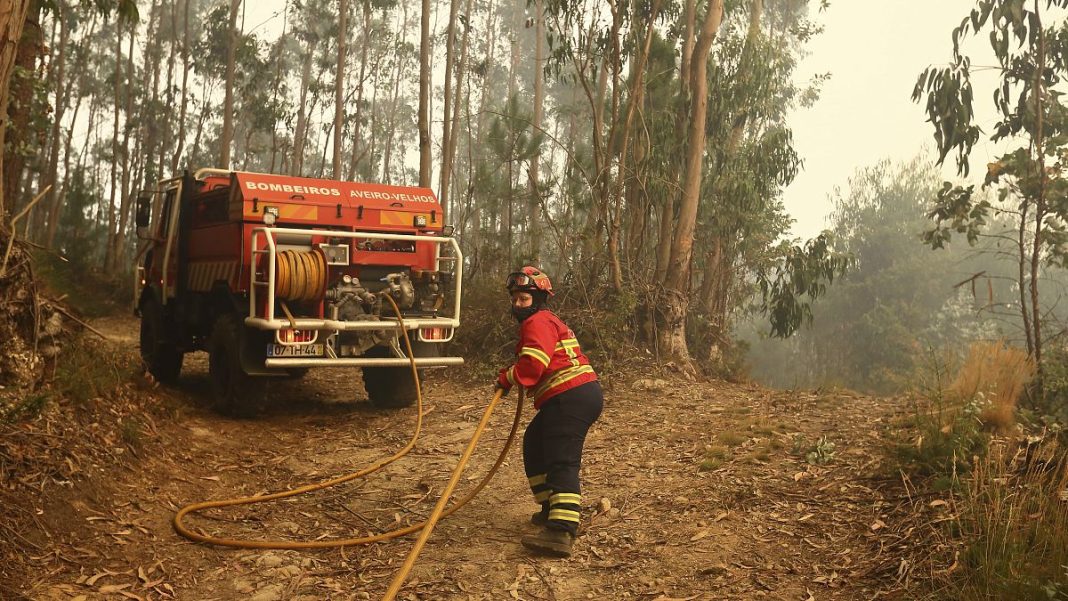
{"points": [[671, 333], [177, 159], [454, 136], [228, 103], [424, 96], [364, 46], [447, 121], [12, 22], [339, 85], [300, 134], [18, 54]]}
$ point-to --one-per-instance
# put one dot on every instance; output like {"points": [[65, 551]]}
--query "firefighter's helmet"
{"points": [[529, 279]]}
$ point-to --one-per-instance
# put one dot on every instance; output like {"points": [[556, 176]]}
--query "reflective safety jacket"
{"points": [[548, 359]]}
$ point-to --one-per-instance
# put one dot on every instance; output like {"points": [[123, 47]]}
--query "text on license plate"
{"points": [[303, 350]]}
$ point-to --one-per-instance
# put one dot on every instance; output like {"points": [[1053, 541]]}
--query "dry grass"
{"points": [[998, 374], [1013, 525]]}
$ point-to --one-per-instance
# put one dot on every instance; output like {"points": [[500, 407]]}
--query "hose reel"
{"points": [[300, 275]]}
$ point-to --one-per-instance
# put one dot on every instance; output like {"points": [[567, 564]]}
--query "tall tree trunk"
{"points": [[365, 44], [1038, 147], [533, 216], [339, 85], [109, 259], [454, 135], [176, 161], [667, 213], [51, 200], [424, 96], [300, 135], [447, 121], [228, 102], [715, 287], [127, 167], [22, 52], [12, 21], [63, 91], [671, 331]]}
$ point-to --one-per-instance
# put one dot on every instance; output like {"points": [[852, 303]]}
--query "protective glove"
{"points": [[502, 382]]}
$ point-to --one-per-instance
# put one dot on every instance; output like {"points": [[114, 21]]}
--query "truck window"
{"points": [[165, 215]]}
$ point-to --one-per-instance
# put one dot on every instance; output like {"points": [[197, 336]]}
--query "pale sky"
{"points": [[875, 51]]}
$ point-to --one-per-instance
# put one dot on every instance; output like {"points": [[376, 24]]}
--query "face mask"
{"points": [[522, 313]]}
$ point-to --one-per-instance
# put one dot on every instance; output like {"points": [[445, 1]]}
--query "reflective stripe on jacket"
{"points": [[549, 359]]}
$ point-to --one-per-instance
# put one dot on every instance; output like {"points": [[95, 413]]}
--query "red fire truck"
{"points": [[273, 275]]}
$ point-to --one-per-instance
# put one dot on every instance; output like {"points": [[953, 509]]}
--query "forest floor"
{"points": [[759, 521]]}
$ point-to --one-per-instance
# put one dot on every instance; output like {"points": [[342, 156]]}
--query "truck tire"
{"points": [[393, 387], [233, 390], [390, 387], [160, 356]]}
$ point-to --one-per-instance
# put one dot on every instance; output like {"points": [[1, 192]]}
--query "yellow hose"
{"points": [[427, 526], [300, 276]]}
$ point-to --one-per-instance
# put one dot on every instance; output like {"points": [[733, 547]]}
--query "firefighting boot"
{"points": [[550, 542], [541, 518]]}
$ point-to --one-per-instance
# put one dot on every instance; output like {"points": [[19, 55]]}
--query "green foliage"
{"points": [[870, 329], [946, 438], [1053, 407], [799, 279]]}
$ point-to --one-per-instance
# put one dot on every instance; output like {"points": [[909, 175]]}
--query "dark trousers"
{"points": [[552, 452]]}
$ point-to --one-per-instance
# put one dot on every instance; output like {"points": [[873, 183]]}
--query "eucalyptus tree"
{"points": [[1030, 178], [228, 103], [12, 22]]}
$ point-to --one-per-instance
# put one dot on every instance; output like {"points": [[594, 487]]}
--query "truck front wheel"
{"points": [[159, 354], [233, 389]]}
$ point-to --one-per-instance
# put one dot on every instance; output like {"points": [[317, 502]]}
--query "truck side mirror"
{"points": [[144, 210]]}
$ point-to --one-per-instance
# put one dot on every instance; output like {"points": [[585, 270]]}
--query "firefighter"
{"points": [[567, 396]]}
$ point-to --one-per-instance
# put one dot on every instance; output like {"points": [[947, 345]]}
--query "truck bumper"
{"points": [[362, 362]]}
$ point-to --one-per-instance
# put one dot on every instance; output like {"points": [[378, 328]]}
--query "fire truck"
{"points": [[274, 275]]}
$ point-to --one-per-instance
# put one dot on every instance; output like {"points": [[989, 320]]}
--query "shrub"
{"points": [[1013, 526], [998, 374]]}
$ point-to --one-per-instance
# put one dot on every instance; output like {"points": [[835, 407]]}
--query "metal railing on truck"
{"points": [[266, 236]]}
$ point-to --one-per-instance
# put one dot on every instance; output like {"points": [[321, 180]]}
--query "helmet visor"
{"points": [[520, 280]]}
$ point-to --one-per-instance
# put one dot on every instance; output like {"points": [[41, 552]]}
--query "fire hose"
{"points": [[425, 527]]}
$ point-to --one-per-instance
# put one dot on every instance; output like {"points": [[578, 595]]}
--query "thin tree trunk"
{"points": [[362, 80], [51, 200], [12, 21], [339, 85], [301, 133], [228, 103], [458, 96], [424, 96], [533, 217], [114, 188], [176, 161], [447, 122], [127, 167], [19, 53]]}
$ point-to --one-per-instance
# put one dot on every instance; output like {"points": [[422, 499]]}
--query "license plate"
{"points": [[303, 350]]}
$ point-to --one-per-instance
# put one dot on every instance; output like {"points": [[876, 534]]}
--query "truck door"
{"points": [[168, 233]]}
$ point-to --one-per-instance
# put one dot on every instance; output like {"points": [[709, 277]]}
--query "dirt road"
{"points": [[759, 521]]}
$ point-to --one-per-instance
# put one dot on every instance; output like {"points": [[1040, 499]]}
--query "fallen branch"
{"points": [[11, 236], [64, 311]]}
